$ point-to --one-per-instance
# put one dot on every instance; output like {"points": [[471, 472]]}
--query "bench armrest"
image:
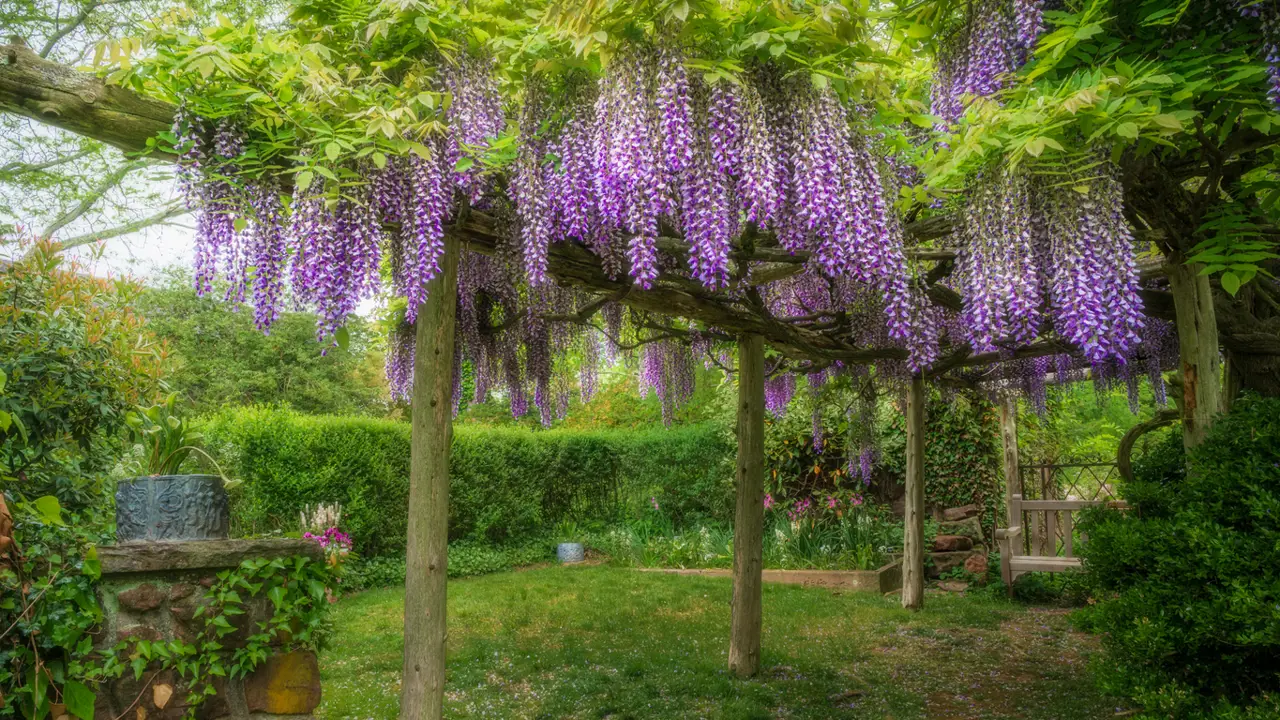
{"points": [[1008, 533]]}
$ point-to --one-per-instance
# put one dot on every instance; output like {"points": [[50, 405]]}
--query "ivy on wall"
{"points": [[962, 456]]}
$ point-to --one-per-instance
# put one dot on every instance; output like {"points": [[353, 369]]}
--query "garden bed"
{"points": [[885, 579]]}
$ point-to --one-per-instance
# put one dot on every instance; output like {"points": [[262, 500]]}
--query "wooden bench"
{"points": [[1045, 532]]}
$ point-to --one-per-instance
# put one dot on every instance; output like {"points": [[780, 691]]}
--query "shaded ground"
{"points": [[600, 642]]}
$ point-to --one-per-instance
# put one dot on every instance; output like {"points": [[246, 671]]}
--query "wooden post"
{"points": [[913, 535], [748, 519], [1009, 439], [1197, 324], [422, 685], [1049, 491]]}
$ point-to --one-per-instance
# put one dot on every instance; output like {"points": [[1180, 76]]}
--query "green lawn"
{"points": [[601, 642]]}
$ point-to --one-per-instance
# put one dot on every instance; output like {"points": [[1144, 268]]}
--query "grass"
{"points": [[602, 642]]}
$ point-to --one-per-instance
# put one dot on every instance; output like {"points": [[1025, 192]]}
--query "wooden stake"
{"points": [[1197, 323], [913, 535], [1009, 439], [426, 559], [748, 519]]}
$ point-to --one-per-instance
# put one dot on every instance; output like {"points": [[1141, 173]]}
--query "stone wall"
{"points": [[151, 591]]}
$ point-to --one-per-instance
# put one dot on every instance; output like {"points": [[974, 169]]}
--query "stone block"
{"points": [[284, 685], [138, 632], [181, 591], [144, 598], [206, 555], [960, 513], [952, 543], [977, 564], [968, 527], [945, 561]]}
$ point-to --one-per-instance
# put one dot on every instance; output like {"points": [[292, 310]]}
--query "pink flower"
{"points": [[654, 501], [831, 502], [857, 500], [768, 501]]}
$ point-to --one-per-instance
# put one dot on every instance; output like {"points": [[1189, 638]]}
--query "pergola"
{"points": [[82, 103]]}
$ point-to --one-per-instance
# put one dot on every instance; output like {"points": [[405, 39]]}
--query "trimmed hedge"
{"points": [[507, 485]]}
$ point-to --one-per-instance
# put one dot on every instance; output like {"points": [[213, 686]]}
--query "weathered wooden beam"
{"points": [[61, 96], [748, 520]]}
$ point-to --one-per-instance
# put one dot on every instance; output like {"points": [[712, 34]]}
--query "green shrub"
{"points": [[465, 560], [1189, 595], [507, 485]]}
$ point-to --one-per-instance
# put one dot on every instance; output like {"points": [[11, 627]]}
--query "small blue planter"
{"points": [[569, 553]]}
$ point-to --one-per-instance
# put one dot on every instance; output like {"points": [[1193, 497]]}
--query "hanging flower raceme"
{"points": [[977, 59], [399, 362], [1094, 283], [778, 391], [1026, 242], [667, 370], [997, 267], [474, 115]]}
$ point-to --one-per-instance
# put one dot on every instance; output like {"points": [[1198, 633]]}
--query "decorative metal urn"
{"points": [[172, 507], [569, 553]]}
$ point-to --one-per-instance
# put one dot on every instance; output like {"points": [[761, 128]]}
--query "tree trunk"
{"points": [[422, 685], [748, 520], [1199, 363], [1009, 440], [913, 535]]}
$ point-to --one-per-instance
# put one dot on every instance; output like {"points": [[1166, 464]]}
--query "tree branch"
{"points": [[15, 169], [173, 209], [91, 198], [63, 31]]}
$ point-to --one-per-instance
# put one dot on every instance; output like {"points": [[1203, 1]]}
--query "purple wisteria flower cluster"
{"points": [[667, 370], [335, 244], [1030, 245], [995, 38], [654, 146], [1031, 377]]}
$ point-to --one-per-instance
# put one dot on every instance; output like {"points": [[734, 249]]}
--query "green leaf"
{"points": [[342, 337], [1166, 120], [1231, 282], [919, 30], [332, 150], [49, 510], [78, 699], [777, 49], [240, 224], [819, 80], [92, 565], [304, 180], [3, 379], [463, 164], [1127, 130], [6, 421], [379, 160]]}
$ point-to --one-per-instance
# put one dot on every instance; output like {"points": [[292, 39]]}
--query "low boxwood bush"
{"points": [[1187, 584], [507, 485], [466, 559]]}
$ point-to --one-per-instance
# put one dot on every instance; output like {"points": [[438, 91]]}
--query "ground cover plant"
{"points": [[593, 642]]}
